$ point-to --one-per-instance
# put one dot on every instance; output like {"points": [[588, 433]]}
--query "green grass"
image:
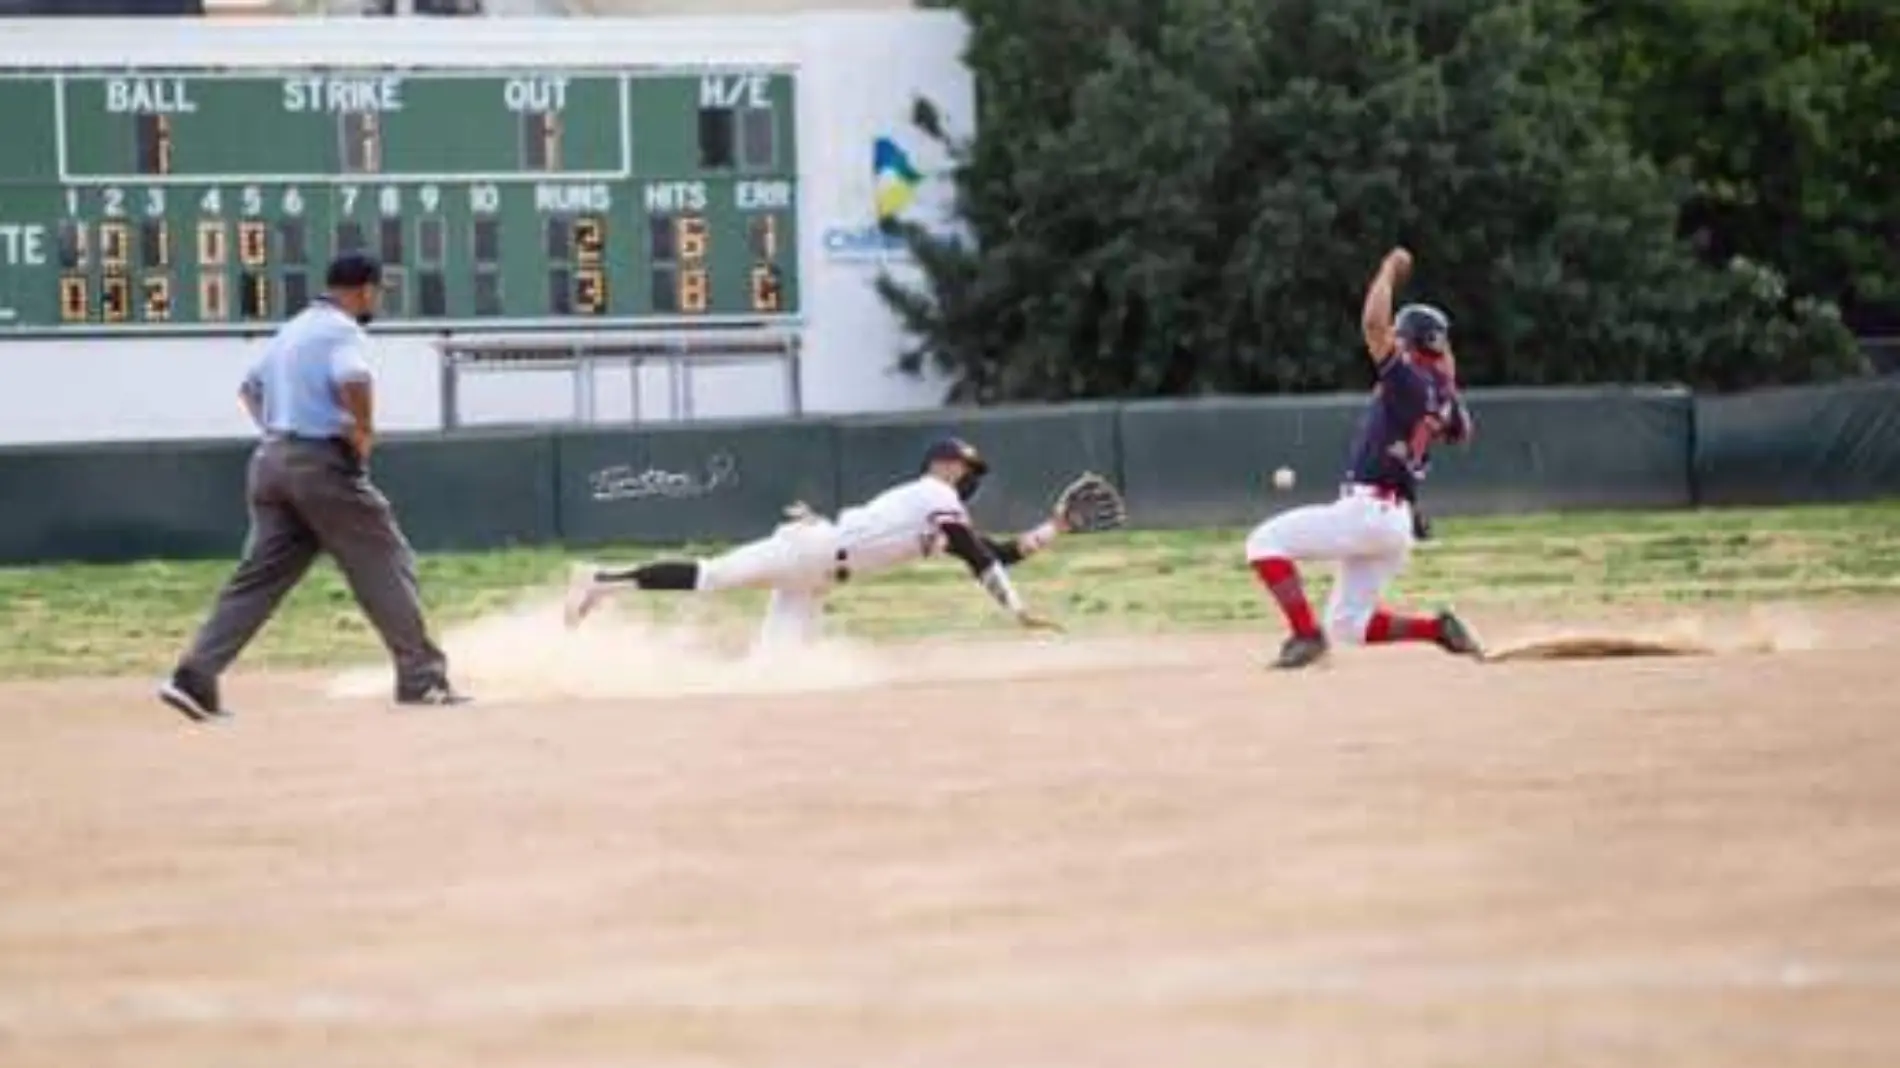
{"points": [[93, 619]]}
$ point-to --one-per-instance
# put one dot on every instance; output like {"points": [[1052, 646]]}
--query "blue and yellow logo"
{"points": [[895, 182], [895, 179]]}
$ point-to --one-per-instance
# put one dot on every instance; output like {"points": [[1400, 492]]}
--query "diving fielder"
{"points": [[807, 556], [1371, 528]]}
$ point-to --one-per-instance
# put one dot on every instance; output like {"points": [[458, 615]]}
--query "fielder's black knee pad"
{"points": [[664, 575]]}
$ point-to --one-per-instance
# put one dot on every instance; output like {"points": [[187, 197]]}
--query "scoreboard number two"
{"points": [[158, 299]]}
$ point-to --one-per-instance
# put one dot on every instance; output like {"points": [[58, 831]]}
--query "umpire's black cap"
{"points": [[956, 449], [354, 269]]}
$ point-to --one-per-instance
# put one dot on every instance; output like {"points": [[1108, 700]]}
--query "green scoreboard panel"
{"points": [[205, 201]]}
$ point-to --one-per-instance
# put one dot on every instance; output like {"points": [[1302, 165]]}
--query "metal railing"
{"points": [[678, 355]]}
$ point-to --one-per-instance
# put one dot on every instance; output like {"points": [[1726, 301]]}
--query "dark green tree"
{"points": [[1785, 114], [1179, 196]]}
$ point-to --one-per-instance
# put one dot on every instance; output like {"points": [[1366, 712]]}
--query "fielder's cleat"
{"points": [[193, 695], [1456, 638], [1300, 651], [583, 595], [440, 693]]}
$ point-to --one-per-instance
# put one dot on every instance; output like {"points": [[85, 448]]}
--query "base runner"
{"points": [[1371, 528], [807, 556]]}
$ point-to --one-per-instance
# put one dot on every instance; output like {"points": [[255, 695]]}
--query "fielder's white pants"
{"points": [[1370, 538], [798, 562]]}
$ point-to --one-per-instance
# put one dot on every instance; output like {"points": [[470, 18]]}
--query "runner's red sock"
{"points": [[1282, 580], [1386, 627]]}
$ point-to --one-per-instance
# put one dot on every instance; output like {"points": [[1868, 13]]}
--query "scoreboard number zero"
{"points": [[210, 200]]}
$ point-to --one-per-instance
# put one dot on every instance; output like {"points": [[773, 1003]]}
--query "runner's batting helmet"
{"points": [[1423, 328]]}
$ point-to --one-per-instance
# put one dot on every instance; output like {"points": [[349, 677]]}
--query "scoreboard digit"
{"points": [[208, 200]]}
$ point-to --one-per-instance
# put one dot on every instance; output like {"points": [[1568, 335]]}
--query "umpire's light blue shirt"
{"points": [[296, 379]]}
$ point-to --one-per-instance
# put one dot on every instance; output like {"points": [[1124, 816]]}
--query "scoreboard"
{"points": [[210, 201]]}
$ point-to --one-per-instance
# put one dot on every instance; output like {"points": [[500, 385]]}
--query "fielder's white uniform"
{"points": [[806, 556]]}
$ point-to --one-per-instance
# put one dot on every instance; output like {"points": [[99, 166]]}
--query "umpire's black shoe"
{"points": [[1456, 638], [193, 695], [440, 693], [1300, 651]]}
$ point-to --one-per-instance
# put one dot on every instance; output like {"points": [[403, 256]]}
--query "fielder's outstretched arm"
{"points": [[975, 552], [1014, 550], [984, 562]]}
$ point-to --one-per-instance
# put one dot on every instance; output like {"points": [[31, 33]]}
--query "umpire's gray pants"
{"points": [[309, 496]]}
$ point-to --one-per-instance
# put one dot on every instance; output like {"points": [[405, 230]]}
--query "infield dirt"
{"points": [[1067, 852]]}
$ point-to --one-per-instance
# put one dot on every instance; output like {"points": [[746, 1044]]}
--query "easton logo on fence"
{"points": [[623, 482]]}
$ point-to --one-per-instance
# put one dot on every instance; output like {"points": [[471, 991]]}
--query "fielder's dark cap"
{"points": [[956, 449], [353, 269]]}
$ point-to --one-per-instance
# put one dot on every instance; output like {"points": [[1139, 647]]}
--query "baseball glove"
{"points": [[1091, 504]]}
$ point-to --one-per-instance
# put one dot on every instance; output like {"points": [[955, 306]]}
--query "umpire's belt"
{"points": [[326, 441], [341, 445]]}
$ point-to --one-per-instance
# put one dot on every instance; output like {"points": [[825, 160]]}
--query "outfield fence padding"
{"points": [[1208, 463], [122, 501], [1182, 463], [1799, 444], [1539, 450], [477, 490]]}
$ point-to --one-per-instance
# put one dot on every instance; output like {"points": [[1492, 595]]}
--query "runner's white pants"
{"points": [[798, 562], [1370, 538]]}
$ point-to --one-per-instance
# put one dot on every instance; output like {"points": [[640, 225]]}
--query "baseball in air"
{"points": [[1283, 478]]}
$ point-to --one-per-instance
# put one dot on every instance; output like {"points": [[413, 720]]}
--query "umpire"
{"points": [[309, 491]]}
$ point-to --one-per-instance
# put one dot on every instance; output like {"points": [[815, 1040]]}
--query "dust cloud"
{"points": [[1759, 629], [526, 653]]}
